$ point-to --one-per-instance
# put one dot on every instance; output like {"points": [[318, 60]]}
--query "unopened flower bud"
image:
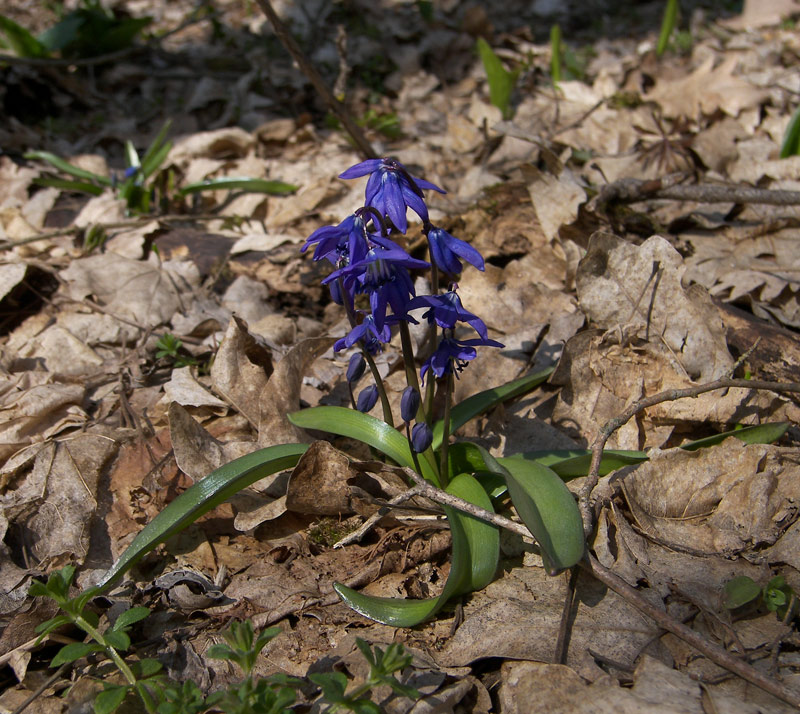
{"points": [[409, 404], [367, 399], [356, 367], [421, 437]]}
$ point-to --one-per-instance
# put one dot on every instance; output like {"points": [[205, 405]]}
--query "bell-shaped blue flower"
{"points": [[453, 355], [446, 309], [367, 398], [446, 251], [346, 242], [391, 189]]}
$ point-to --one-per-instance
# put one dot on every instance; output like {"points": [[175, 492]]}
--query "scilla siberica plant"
{"points": [[371, 279]]}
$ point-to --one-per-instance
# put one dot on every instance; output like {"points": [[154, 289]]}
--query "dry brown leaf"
{"points": [[11, 275], [318, 484], [184, 389], [555, 198]]}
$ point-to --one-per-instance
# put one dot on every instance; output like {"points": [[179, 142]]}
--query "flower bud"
{"points": [[356, 367], [409, 404], [421, 437], [367, 399]]}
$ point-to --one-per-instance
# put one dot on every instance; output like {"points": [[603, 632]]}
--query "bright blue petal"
{"points": [[362, 169]]}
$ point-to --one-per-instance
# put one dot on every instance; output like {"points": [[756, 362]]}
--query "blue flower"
{"points": [[421, 437], [446, 249], [452, 355], [391, 189], [367, 399], [368, 332], [446, 310], [345, 242], [383, 275]]}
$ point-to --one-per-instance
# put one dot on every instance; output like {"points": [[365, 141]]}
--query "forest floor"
{"points": [[640, 235]]}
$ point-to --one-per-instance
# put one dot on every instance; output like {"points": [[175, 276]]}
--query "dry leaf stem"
{"points": [[308, 69]]}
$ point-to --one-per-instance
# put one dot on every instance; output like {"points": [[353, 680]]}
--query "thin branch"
{"points": [[308, 69], [669, 395]]}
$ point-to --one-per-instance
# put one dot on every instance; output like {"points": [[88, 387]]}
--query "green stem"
{"points": [[430, 389], [387, 410], [448, 398], [411, 449]]}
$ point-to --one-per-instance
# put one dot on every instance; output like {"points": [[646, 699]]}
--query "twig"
{"points": [[339, 109], [562, 643], [357, 535], [715, 653], [43, 687], [631, 190], [66, 62], [669, 395]]}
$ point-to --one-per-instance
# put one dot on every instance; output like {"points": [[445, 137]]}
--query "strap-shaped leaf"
{"points": [[478, 403], [548, 509], [67, 167], [365, 428], [473, 565], [230, 183], [573, 463], [20, 40], [157, 151], [67, 185], [201, 497], [759, 434]]}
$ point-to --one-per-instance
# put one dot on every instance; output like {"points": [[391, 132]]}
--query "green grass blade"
{"points": [[365, 428], [252, 185], [471, 407], [555, 53], [574, 463], [66, 185], [791, 138], [67, 167], [201, 497], [759, 434], [667, 26], [501, 81], [150, 160], [474, 561], [22, 42]]}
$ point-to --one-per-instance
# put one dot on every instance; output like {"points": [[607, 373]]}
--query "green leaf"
{"points": [[209, 492], [127, 618], [21, 41], [157, 151], [118, 639], [791, 138], [62, 33], [365, 428], [333, 685], [146, 667], [501, 81], [474, 561], [759, 434], [131, 155], [547, 508], [555, 53], [109, 699], [230, 183], [67, 167], [478, 403], [73, 651], [67, 185], [573, 463], [53, 623], [667, 26]]}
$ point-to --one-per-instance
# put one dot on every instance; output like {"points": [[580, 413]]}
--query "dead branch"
{"points": [[670, 395], [630, 190], [308, 69]]}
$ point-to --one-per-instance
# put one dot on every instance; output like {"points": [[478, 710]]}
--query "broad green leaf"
{"points": [[67, 185], [118, 640], [501, 81], [20, 40], [230, 183], [109, 699], [473, 564], [739, 591], [365, 428], [547, 508], [667, 26], [201, 497], [62, 33], [146, 667], [759, 434], [73, 651], [791, 138], [67, 167], [573, 463], [478, 403], [127, 618]]}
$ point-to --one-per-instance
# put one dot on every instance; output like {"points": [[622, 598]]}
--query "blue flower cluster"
{"points": [[369, 261]]}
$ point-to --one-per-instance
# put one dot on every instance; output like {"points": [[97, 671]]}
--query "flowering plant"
{"points": [[371, 279]]}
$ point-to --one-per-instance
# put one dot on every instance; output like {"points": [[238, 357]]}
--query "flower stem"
{"points": [[411, 448], [387, 410], [448, 398]]}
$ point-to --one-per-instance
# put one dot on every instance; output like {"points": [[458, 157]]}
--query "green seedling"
{"points": [[169, 346], [776, 595], [501, 81], [791, 138], [555, 53], [668, 22]]}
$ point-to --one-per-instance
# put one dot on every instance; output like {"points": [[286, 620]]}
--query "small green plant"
{"points": [[555, 53], [791, 138], [668, 22], [776, 595], [564, 63], [501, 81], [169, 346], [88, 31], [144, 184]]}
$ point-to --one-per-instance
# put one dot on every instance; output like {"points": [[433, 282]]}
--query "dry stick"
{"points": [[669, 395], [636, 190], [715, 653], [339, 109]]}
